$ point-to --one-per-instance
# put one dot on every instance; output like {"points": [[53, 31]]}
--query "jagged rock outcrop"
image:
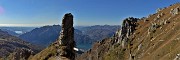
{"points": [[158, 10], [21, 54], [175, 11], [127, 29], [177, 57], [153, 28], [66, 40]]}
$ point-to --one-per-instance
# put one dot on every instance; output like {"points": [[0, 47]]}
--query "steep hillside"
{"points": [[11, 45], [155, 37], [11, 32], [43, 35], [117, 42]]}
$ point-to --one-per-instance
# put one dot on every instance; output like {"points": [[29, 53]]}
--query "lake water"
{"points": [[84, 46], [19, 32]]}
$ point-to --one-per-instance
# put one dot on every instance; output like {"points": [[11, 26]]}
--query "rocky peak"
{"points": [[103, 47], [67, 21], [128, 27], [66, 39]]}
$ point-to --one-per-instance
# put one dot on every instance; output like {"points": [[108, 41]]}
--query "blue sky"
{"points": [[86, 12]]}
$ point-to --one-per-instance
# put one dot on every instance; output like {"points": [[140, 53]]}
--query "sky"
{"points": [[86, 12]]}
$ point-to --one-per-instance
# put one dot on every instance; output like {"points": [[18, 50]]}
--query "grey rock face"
{"points": [[128, 27], [158, 10], [153, 27], [21, 54], [122, 38], [177, 57], [175, 11], [66, 40]]}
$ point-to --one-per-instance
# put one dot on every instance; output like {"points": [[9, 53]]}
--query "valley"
{"points": [[134, 36]]}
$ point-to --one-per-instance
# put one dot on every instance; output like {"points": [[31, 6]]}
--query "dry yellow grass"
{"points": [[165, 42]]}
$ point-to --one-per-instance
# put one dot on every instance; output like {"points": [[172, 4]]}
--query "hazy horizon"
{"points": [[23, 25], [86, 13]]}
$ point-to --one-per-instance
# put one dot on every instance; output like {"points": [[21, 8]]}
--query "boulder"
{"points": [[175, 11], [177, 57], [158, 10]]}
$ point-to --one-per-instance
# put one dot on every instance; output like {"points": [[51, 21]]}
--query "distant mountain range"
{"points": [[84, 36], [155, 37], [99, 32], [10, 44], [16, 31]]}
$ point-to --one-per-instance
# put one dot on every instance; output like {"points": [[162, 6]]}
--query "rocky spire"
{"points": [[66, 39], [127, 29]]}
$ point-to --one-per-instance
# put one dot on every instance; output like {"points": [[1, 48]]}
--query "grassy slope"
{"points": [[164, 44], [45, 54]]}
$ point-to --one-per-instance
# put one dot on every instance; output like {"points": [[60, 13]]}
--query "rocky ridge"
{"points": [[120, 38], [155, 37]]}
